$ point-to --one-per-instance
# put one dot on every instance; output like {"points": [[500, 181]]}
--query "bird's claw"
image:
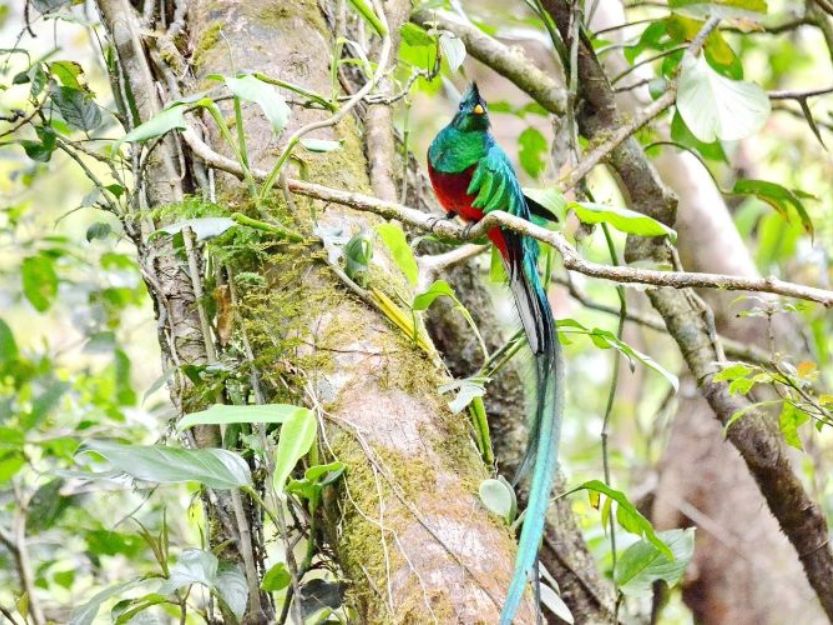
{"points": [[433, 220], [467, 229]]}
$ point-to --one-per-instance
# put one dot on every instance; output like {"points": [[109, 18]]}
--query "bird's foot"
{"points": [[433, 220], [468, 228]]}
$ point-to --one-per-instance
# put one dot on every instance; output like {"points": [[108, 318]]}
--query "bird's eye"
{"points": [[478, 109]]}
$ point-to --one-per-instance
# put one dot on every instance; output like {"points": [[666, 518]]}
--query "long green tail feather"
{"points": [[545, 428]]}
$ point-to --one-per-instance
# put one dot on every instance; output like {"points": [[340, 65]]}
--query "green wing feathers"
{"points": [[495, 185]]}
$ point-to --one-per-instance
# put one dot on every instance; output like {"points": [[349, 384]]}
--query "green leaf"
{"points": [[40, 282], [682, 135], [416, 36], [642, 563], [85, 614], [295, 440], [721, 8], [550, 198], [266, 96], [789, 421], [623, 219], [715, 107], [453, 49], [230, 585], [636, 522], [497, 271], [225, 580], [439, 288], [532, 148], [68, 73], [276, 578], [8, 346], [171, 118], [499, 498], [216, 468], [221, 414], [98, 230], [320, 145], [364, 9], [394, 238], [358, 252], [780, 198], [77, 107], [606, 339]]}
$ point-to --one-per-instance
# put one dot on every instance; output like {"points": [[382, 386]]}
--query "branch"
{"points": [[572, 259], [510, 62], [736, 350]]}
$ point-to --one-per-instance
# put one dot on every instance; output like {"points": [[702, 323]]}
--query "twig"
{"points": [[507, 61], [600, 152], [571, 258]]}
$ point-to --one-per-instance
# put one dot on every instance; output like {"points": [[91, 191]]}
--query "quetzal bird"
{"points": [[472, 176]]}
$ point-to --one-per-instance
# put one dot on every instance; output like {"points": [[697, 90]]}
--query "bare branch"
{"points": [[572, 259]]}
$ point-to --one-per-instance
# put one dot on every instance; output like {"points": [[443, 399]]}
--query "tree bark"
{"points": [[755, 436], [411, 534]]}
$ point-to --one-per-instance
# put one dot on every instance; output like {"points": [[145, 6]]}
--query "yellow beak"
{"points": [[478, 110]]}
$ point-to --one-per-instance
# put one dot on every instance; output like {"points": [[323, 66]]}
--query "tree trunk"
{"points": [[407, 527]]}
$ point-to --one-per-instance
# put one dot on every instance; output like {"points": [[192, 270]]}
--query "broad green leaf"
{"points": [[8, 346], [358, 252], [789, 421], [721, 8], [221, 414], [439, 288], [550, 198], [320, 145], [780, 198], [85, 613], [276, 578], [499, 498], [77, 107], [171, 118], [416, 36], [202, 227], [231, 587], [623, 219], [296, 437], [364, 8], [682, 135], [636, 522], [394, 238], [98, 230], [194, 566], [226, 581], [715, 107], [216, 468], [642, 563], [40, 282], [69, 73], [453, 49], [266, 96], [532, 150]]}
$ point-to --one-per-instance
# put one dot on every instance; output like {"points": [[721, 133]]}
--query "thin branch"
{"points": [[623, 132], [799, 95], [507, 61], [571, 258]]}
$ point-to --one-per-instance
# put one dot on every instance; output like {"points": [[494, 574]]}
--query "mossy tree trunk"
{"points": [[406, 526]]}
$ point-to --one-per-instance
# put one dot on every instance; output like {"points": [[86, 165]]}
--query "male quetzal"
{"points": [[471, 176]]}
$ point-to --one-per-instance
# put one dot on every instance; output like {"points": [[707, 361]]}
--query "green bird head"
{"points": [[472, 115]]}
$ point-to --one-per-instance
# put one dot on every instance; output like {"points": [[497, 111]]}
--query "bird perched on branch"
{"points": [[472, 176]]}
